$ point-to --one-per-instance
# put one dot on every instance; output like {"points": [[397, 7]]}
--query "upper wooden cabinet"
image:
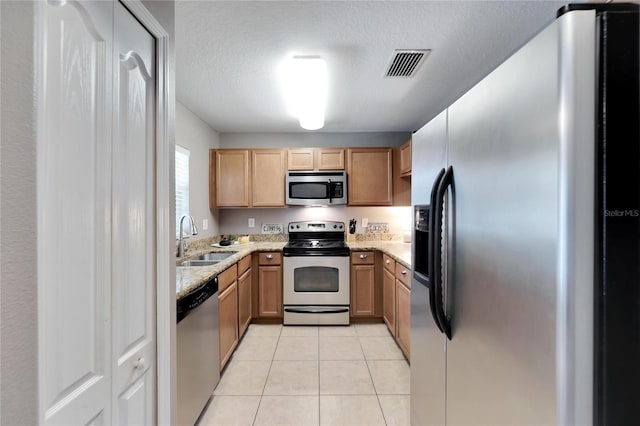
{"points": [[330, 159], [405, 158], [268, 170], [402, 181], [247, 178], [300, 159], [370, 176], [229, 178], [316, 159]]}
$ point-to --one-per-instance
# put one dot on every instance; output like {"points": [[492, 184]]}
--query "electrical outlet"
{"points": [[205, 224], [365, 222], [252, 222]]}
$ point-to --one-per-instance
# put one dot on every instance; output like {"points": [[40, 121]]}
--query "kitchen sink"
{"points": [[216, 256], [208, 259], [197, 262]]}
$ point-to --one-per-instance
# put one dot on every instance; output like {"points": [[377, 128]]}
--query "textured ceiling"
{"points": [[228, 56]]}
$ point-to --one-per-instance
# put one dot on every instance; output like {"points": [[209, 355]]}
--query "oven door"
{"points": [[316, 280]]}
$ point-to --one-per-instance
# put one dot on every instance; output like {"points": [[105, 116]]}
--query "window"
{"points": [[182, 185]]}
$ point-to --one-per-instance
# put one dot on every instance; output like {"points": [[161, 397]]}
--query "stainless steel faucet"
{"points": [[182, 244]]}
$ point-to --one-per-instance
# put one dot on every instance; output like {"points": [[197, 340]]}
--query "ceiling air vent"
{"points": [[404, 63]]}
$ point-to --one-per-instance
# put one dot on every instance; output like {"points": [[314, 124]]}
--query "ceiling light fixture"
{"points": [[308, 88]]}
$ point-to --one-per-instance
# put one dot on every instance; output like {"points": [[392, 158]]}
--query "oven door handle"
{"points": [[319, 310]]}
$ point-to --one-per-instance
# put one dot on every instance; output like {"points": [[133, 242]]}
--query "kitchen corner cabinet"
{"points": [[244, 295], [315, 159], [402, 175], [229, 171], [270, 285], [268, 170], [228, 313], [370, 176], [405, 159], [363, 300]]}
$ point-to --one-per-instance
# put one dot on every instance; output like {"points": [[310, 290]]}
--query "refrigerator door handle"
{"points": [[430, 248], [445, 182]]}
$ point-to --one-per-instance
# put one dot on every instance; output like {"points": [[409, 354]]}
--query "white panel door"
{"points": [[73, 213], [133, 211]]}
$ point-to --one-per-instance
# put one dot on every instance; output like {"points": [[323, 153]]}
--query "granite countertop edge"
{"points": [[192, 277]]}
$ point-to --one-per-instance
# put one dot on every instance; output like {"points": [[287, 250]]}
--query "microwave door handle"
{"points": [[330, 198]]}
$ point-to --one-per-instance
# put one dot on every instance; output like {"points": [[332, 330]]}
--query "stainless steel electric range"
{"points": [[316, 274]]}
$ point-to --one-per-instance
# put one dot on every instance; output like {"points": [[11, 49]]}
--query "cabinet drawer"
{"points": [[244, 264], [389, 263], [270, 258], [362, 258], [226, 278], [403, 274]]}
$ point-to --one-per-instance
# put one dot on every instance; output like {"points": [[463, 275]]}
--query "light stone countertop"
{"points": [[188, 278]]}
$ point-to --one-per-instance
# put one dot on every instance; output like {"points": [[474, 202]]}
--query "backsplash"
{"points": [[394, 220]]}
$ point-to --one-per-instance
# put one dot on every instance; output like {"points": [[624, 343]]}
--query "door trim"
{"points": [[165, 211]]}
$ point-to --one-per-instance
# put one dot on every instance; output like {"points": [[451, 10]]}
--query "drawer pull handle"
{"points": [[388, 261], [269, 256], [363, 256], [404, 272]]}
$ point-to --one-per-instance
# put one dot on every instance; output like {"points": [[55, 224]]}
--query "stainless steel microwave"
{"points": [[317, 188]]}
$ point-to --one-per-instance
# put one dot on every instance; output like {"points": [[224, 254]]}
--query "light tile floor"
{"points": [[295, 375]]}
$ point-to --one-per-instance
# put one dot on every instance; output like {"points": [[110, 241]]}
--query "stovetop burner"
{"points": [[316, 238]]}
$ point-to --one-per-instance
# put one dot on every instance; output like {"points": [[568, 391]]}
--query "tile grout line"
{"points": [[366, 360], [255, 416]]}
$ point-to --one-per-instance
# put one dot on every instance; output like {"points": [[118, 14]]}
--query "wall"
{"points": [[18, 243], [293, 140], [198, 137]]}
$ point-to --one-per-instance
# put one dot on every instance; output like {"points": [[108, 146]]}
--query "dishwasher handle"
{"points": [[195, 298]]}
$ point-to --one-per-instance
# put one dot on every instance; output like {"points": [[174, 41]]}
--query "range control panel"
{"points": [[316, 226]]}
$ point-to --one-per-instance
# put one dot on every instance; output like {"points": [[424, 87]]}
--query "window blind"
{"points": [[182, 185]]}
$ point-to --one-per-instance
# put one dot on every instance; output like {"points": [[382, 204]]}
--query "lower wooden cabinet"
{"points": [[228, 322], [396, 284], [244, 301], [403, 317], [270, 285], [389, 300], [363, 300]]}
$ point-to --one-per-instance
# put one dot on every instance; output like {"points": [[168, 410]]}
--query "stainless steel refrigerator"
{"points": [[525, 303]]}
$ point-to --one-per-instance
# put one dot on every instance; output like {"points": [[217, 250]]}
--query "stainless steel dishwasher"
{"points": [[198, 357]]}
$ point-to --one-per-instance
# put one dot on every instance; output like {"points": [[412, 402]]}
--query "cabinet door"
{"points": [[362, 290], [232, 178], [367, 188], [403, 317], [300, 159], [244, 302], [405, 158], [389, 300], [270, 291], [268, 177], [228, 321], [330, 159]]}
